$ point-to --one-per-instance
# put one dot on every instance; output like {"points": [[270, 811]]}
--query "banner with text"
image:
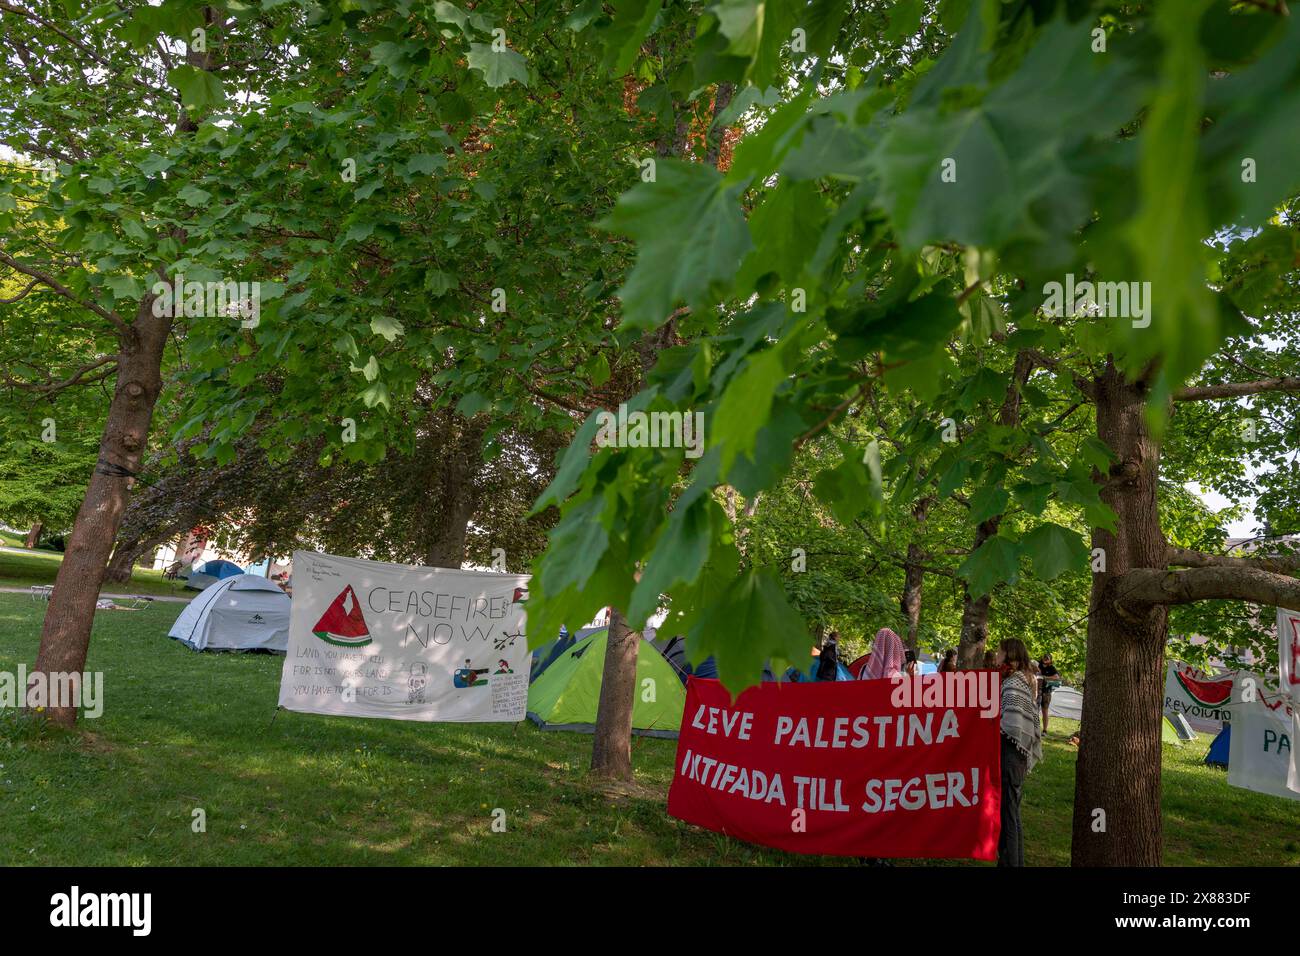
{"points": [[1261, 751], [372, 639], [851, 768], [1203, 697]]}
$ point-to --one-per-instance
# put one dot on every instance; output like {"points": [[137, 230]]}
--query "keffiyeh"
{"points": [[1020, 717], [886, 656]]}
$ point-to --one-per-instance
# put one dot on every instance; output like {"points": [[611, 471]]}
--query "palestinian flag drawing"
{"points": [[1207, 693], [521, 595], [342, 623]]}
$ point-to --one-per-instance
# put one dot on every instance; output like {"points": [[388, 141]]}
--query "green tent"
{"points": [[1169, 733], [565, 695]]}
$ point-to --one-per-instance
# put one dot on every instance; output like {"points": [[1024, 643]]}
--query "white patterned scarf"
{"points": [[1020, 717]]}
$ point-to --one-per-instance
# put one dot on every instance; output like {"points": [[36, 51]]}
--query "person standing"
{"points": [[886, 656], [828, 660], [1022, 745], [1051, 680], [949, 664]]}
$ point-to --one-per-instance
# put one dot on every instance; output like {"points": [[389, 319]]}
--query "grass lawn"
{"points": [[40, 567], [182, 731]]}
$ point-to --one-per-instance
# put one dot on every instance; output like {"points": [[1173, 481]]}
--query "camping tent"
{"points": [[1219, 750], [1168, 733], [240, 613], [1181, 726], [1067, 703], [549, 653], [210, 573], [567, 692]]}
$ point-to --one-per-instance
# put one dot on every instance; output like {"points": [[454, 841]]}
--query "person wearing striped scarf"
{"points": [[1022, 745]]}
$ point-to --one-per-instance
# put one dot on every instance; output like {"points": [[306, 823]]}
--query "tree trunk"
{"points": [[914, 580], [611, 751], [65, 635], [455, 448], [128, 552], [446, 547], [122, 561], [1117, 779], [34, 535], [975, 611]]}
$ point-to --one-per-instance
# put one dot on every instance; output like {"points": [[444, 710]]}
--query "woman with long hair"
{"points": [[1022, 745]]}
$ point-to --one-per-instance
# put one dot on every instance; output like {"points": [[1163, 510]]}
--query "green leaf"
{"points": [[581, 537], [631, 24], [376, 394], [990, 500], [1054, 549], [678, 556], [200, 90], [571, 467], [691, 235], [473, 403], [498, 69], [387, 326], [994, 562], [193, 196], [745, 405], [747, 625], [598, 369], [853, 487]]}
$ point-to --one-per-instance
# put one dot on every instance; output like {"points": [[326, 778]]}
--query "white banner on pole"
{"points": [[1288, 661], [1262, 751], [372, 639]]}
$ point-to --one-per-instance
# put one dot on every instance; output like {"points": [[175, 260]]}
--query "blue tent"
{"points": [[1218, 755], [221, 569], [546, 655], [209, 574]]}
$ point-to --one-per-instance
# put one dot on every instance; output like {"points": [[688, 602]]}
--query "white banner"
{"points": [[1203, 697], [1288, 660], [371, 639], [1262, 752], [1288, 651]]}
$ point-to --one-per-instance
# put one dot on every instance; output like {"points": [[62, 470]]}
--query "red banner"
{"points": [[849, 768]]}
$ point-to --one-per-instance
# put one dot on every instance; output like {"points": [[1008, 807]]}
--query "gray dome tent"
{"points": [[240, 613]]}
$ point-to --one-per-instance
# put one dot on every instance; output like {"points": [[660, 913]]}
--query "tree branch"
{"points": [[118, 322], [1278, 564], [79, 376], [1143, 587], [1201, 393]]}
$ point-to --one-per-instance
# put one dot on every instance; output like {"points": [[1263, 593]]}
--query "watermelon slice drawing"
{"points": [[342, 623], [1207, 693]]}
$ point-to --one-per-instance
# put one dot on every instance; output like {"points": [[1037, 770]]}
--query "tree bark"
{"points": [[455, 449], [128, 552], [34, 535], [611, 750], [1117, 818], [65, 635], [914, 580]]}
